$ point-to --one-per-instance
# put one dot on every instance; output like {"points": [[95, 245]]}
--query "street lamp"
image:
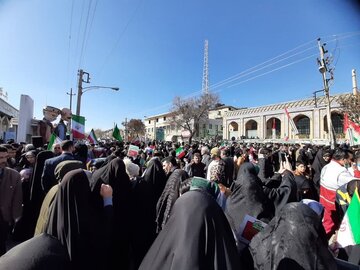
{"points": [[82, 90]]}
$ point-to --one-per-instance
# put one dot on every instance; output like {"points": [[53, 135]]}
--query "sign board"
{"points": [[10, 135], [133, 151], [185, 133], [160, 134]]}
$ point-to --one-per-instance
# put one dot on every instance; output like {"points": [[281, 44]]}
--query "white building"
{"points": [[309, 117], [7, 114], [162, 126]]}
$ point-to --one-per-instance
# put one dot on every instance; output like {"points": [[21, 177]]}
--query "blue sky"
{"points": [[153, 50]]}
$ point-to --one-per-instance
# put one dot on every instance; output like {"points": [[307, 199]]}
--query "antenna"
{"points": [[205, 81]]}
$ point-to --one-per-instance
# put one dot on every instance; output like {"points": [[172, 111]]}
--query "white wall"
{"points": [[26, 114]]}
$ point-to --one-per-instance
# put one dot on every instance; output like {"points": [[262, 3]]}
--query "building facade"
{"points": [[7, 113], [162, 126], [309, 116]]}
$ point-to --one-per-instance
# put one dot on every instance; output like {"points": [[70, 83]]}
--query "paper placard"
{"points": [[249, 228], [133, 151]]}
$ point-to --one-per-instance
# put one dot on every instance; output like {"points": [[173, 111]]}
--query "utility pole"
{"points": [[80, 90], [125, 131], [324, 70], [315, 97], [71, 95]]}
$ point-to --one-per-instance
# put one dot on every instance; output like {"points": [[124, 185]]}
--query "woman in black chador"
{"points": [[145, 195], [196, 236], [294, 239], [248, 198], [114, 174], [71, 221]]}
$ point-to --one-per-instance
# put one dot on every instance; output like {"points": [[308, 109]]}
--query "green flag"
{"points": [[116, 134], [53, 140]]}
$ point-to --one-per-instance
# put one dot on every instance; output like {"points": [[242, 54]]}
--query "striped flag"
{"points": [[180, 152], [349, 232], [352, 130], [291, 121], [52, 141], [78, 126], [92, 137]]}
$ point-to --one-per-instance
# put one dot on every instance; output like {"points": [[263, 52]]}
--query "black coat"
{"points": [[41, 252]]}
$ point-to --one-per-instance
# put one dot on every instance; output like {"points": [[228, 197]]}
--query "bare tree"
{"points": [[135, 127], [188, 113], [350, 104]]}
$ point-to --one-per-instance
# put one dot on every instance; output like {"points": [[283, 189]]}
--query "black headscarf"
{"points": [[71, 219], [168, 197], [60, 171], [197, 236], [317, 166], [294, 239], [155, 175], [37, 194], [247, 198], [41, 252], [114, 174], [285, 193], [146, 193]]}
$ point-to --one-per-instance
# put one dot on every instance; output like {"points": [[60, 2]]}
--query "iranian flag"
{"points": [[180, 152], [292, 123], [349, 232], [52, 141], [92, 137], [78, 126], [352, 130]]}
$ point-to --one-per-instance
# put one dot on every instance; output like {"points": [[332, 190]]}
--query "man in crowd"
{"points": [[169, 165], [334, 175], [229, 166], [48, 179], [10, 198]]}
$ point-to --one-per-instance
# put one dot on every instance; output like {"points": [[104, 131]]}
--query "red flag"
{"points": [[346, 122]]}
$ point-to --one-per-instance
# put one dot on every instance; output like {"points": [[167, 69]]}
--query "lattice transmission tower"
{"points": [[205, 81]]}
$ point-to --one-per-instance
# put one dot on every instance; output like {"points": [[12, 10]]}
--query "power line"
{"points": [[90, 28], [117, 42], [249, 79], [251, 70], [268, 72], [84, 36], [69, 47]]}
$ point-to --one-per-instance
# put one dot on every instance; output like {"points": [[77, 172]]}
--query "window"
{"points": [[221, 127], [152, 129], [219, 112], [210, 126], [149, 121], [216, 127], [157, 120], [204, 125], [303, 125], [164, 118]]}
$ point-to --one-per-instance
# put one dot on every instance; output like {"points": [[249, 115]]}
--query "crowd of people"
{"points": [[176, 205]]}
